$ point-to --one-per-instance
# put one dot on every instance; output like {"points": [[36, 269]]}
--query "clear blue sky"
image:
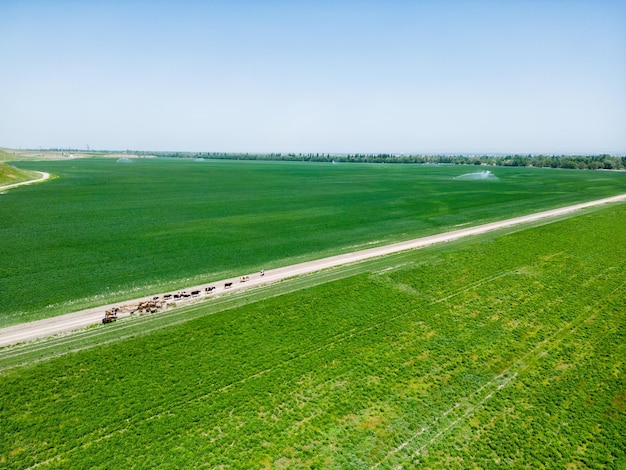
{"points": [[315, 76]]}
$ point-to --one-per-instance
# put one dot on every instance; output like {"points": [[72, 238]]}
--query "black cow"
{"points": [[227, 285]]}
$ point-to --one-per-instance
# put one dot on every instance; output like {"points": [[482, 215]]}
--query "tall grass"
{"points": [[10, 175]]}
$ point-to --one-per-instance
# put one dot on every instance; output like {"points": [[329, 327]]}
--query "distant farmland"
{"points": [[500, 350], [104, 231]]}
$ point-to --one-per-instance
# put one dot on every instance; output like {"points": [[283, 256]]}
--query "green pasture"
{"points": [[103, 230], [500, 350]]}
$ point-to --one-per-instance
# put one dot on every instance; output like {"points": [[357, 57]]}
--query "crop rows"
{"points": [[504, 351]]}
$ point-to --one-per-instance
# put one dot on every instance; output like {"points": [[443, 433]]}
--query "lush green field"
{"points": [[500, 350], [110, 231]]}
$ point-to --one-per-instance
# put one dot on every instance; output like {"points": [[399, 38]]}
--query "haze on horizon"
{"points": [[329, 77]]}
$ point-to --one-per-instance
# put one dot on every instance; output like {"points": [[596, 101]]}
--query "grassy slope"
{"points": [[10, 175], [6, 155], [104, 230], [504, 350]]}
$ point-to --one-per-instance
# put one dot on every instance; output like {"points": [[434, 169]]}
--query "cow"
{"points": [[209, 289], [227, 285], [109, 317], [195, 293]]}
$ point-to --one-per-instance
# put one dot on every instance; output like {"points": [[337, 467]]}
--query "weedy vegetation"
{"points": [[6, 155], [10, 174], [505, 349]]}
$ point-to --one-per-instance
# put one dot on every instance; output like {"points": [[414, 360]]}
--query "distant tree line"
{"points": [[578, 162], [581, 162]]}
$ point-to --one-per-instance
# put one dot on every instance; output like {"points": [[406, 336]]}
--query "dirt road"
{"points": [[77, 320], [44, 177]]}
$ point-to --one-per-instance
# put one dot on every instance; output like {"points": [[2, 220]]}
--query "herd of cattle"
{"points": [[157, 303]]}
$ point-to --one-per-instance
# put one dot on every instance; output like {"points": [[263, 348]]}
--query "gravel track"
{"points": [[77, 320], [44, 177]]}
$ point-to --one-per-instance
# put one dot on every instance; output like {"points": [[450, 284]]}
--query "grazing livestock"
{"points": [[227, 285], [149, 306], [195, 293], [244, 278], [209, 289], [110, 316]]}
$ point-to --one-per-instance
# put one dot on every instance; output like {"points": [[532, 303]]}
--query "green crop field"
{"points": [[103, 230], [501, 350]]}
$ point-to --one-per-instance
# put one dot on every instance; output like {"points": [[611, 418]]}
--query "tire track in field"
{"points": [[93, 438], [186, 312], [82, 335], [149, 323], [461, 411], [140, 325], [52, 342]]}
